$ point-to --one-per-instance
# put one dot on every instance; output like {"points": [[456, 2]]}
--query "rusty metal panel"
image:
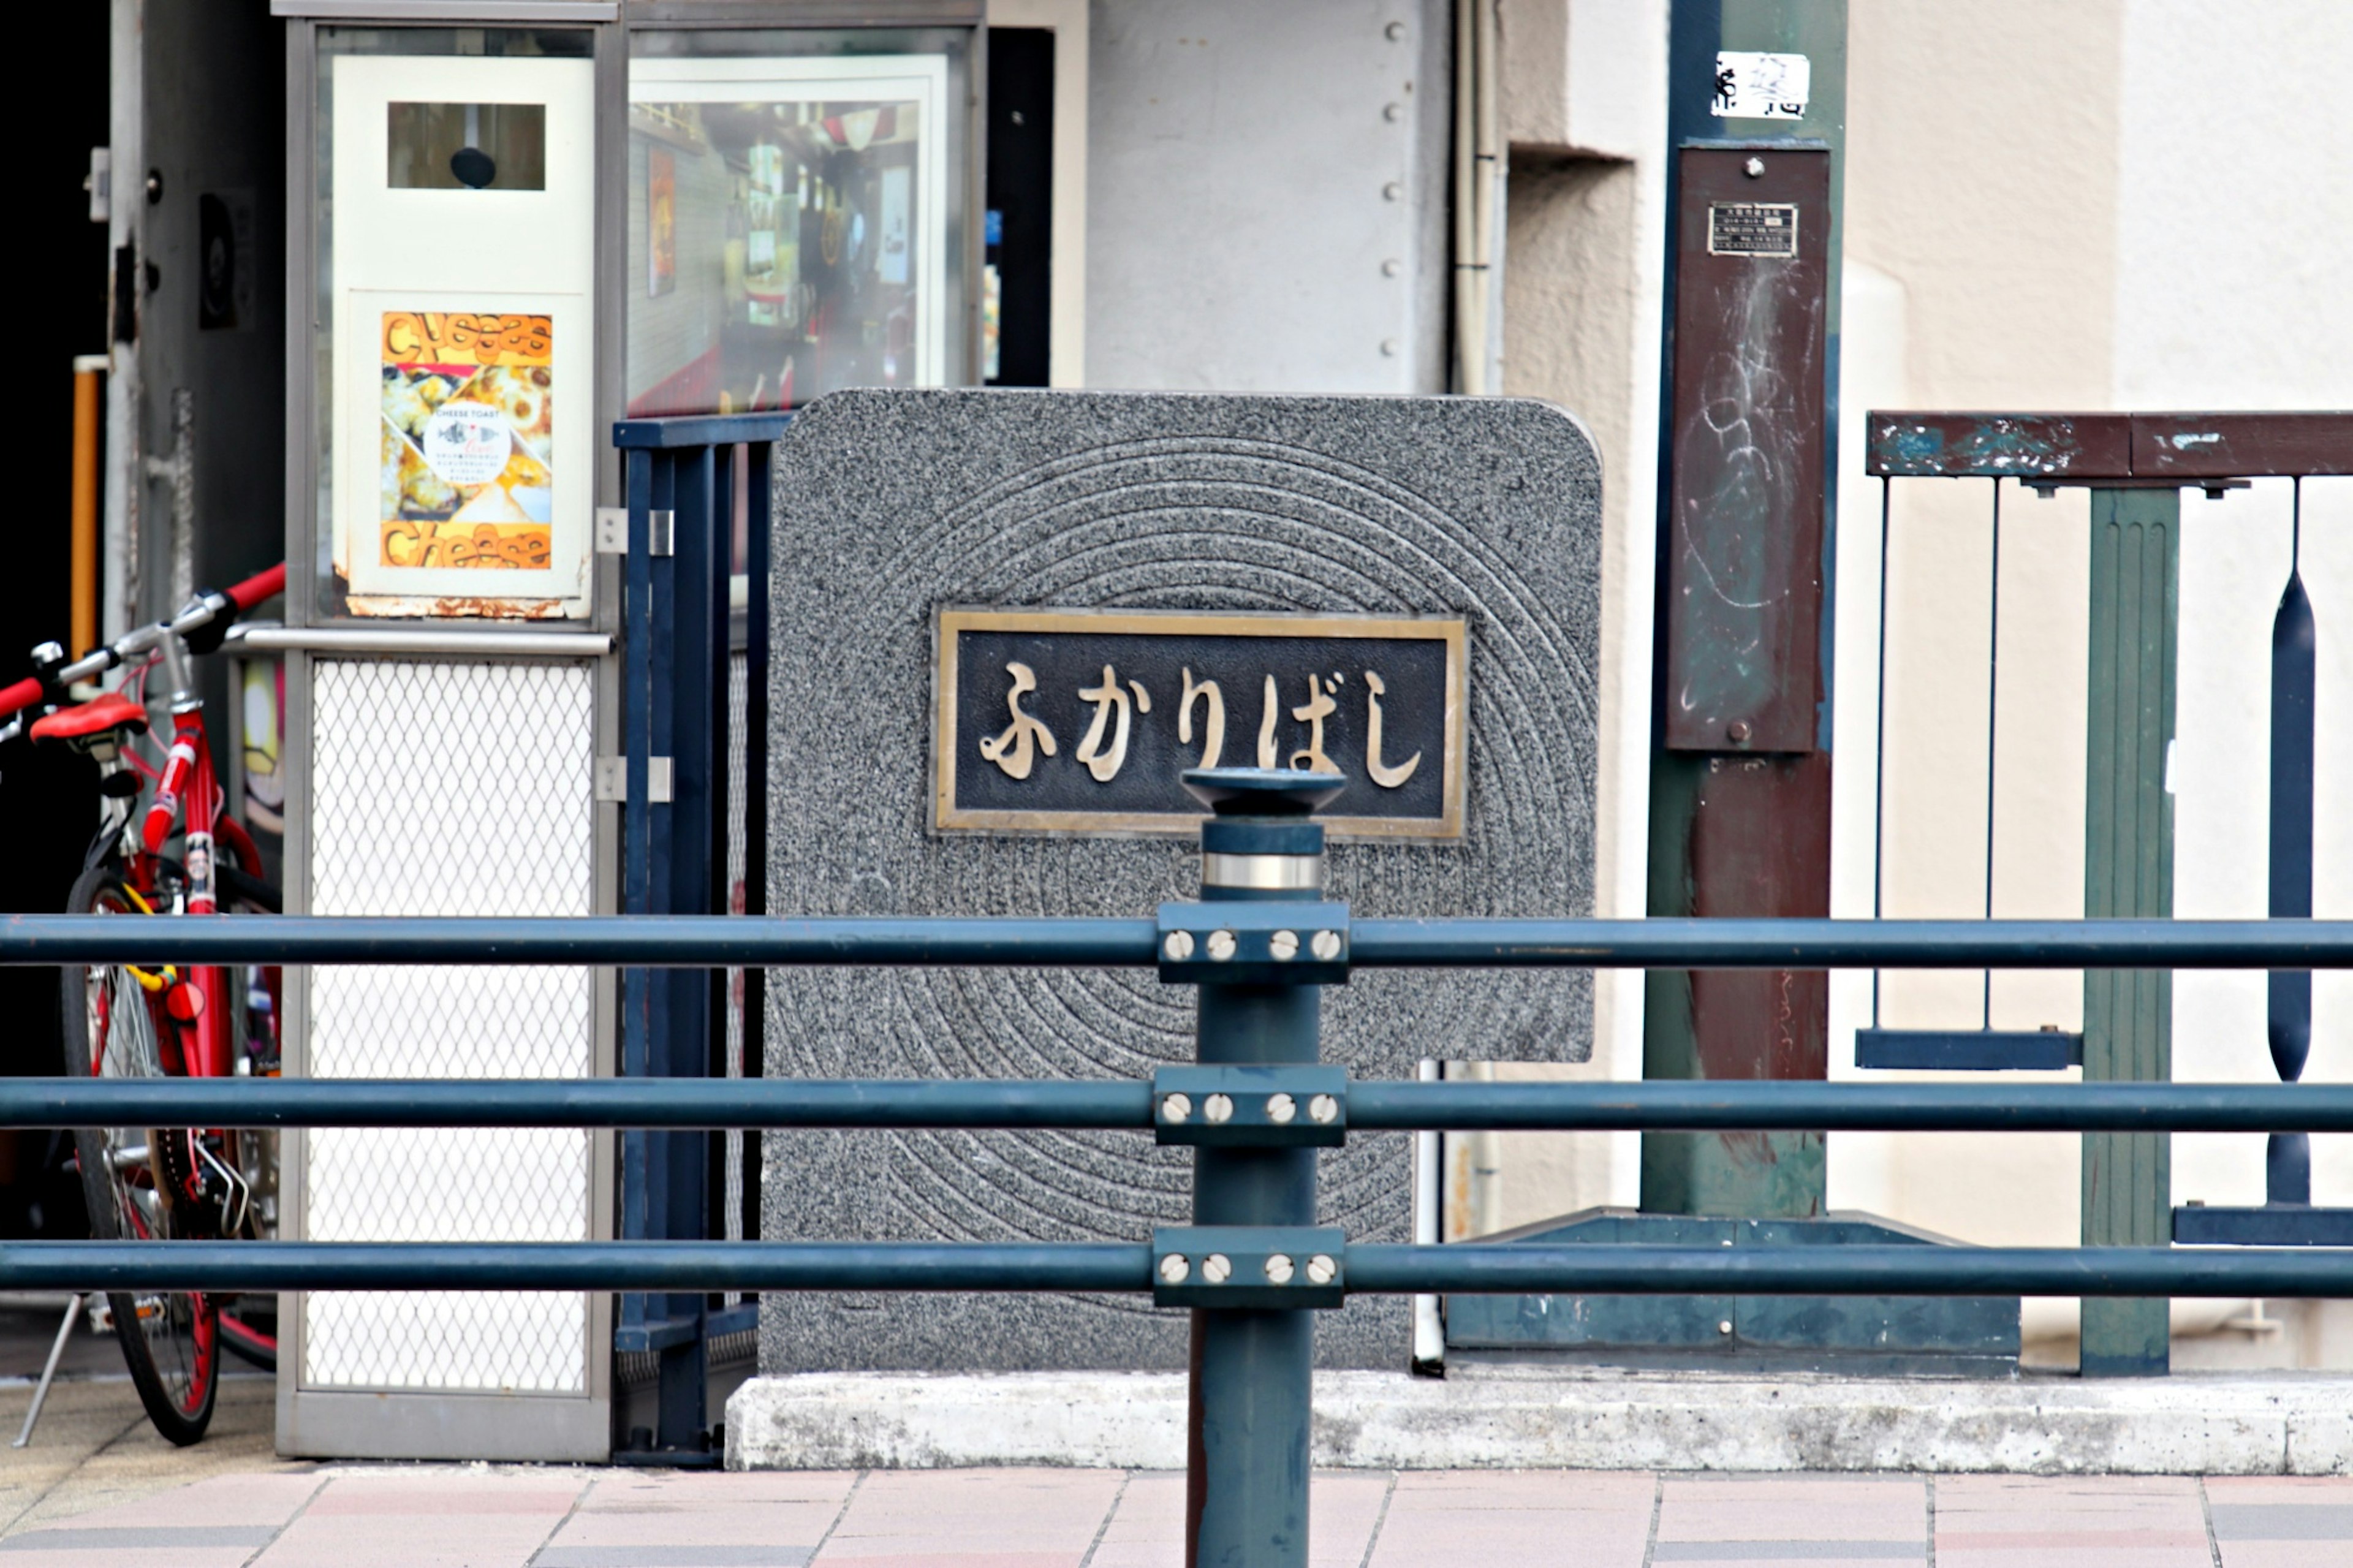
{"points": [[2240, 445], [2023, 446], [1746, 836], [1745, 584], [2081, 449]]}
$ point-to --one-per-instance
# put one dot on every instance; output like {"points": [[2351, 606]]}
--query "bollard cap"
{"points": [[1262, 791], [1263, 834]]}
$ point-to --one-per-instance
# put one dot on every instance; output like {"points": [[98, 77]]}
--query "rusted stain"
{"points": [[2081, 449], [1760, 847], [2242, 445], [1744, 563], [1995, 445]]}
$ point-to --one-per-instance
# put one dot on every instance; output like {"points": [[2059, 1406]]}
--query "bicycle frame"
{"points": [[199, 1011]]}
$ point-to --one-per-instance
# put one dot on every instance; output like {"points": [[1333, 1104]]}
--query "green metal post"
{"points": [[1740, 816], [2129, 872], [1251, 1373]]}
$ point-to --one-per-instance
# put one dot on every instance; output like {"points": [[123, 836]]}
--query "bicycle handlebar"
{"points": [[255, 589], [217, 607]]}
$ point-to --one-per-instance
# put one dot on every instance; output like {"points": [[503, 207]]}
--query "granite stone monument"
{"points": [[1001, 622]]}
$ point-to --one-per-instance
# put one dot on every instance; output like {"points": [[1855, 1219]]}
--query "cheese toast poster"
{"points": [[466, 440]]}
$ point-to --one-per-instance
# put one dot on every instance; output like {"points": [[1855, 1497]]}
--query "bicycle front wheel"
{"points": [[115, 1026]]}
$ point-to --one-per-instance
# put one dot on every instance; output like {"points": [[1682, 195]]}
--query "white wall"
{"points": [[2150, 208], [2234, 289]]}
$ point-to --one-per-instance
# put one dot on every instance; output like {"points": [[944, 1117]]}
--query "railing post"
{"points": [[2136, 568], [1247, 1421]]}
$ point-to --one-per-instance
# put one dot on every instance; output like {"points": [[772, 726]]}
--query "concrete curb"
{"points": [[1520, 1418]]}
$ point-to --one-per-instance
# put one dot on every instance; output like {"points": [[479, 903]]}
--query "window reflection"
{"points": [[788, 229], [466, 146]]}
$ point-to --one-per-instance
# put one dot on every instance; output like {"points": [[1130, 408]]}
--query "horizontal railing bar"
{"points": [[232, 1266], [1613, 1269], [593, 1102], [1603, 1268], [1852, 944], [1698, 1106], [1032, 1103], [654, 941], [723, 941]]}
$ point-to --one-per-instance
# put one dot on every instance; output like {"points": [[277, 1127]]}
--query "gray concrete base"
{"points": [[1574, 1418]]}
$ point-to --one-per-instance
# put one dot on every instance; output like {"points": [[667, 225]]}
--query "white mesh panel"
{"points": [[450, 789]]}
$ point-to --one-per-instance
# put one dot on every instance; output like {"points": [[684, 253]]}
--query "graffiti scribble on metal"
{"points": [[1744, 601]]}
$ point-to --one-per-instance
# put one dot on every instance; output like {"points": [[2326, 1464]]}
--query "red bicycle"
{"points": [[126, 1021]]}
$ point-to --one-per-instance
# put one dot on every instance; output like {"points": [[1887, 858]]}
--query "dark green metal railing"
{"points": [[1252, 1263], [710, 941]]}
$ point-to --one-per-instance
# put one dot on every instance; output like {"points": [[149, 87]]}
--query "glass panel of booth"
{"points": [[455, 233], [466, 146], [796, 210]]}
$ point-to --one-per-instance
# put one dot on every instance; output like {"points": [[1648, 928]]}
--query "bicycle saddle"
{"points": [[86, 721]]}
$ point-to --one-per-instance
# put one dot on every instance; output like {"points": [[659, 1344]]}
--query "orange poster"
{"points": [[466, 440]]}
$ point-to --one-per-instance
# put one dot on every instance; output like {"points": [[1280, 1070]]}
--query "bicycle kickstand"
{"points": [[48, 1372]]}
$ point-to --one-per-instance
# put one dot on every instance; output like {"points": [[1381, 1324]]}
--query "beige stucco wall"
{"points": [[1980, 241], [1582, 274]]}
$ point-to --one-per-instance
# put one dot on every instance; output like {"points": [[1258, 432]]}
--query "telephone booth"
{"points": [[509, 227]]}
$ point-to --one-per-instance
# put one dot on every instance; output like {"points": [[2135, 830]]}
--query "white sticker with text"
{"points": [[1760, 86]]}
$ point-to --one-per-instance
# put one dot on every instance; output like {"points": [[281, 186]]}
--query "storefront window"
{"points": [[796, 218]]}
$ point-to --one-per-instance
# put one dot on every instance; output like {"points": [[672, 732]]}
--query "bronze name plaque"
{"points": [[1080, 721]]}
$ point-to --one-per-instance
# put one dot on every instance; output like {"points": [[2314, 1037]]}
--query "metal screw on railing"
{"points": [[1175, 1107], [1281, 1109]]}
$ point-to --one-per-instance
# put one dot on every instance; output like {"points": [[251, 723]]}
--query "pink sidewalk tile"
{"points": [[425, 1520], [1147, 1528], [2077, 1522], [1508, 1519], [220, 1500], [974, 1518], [2284, 1522], [780, 1515], [2285, 1553], [1852, 1510], [216, 1523]]}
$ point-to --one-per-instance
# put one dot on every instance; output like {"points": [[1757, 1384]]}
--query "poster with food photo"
{"points": [[661, 222], [465, 438]]}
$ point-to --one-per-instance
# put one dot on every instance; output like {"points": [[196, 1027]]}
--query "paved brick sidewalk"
{"points": [[526, 1516]]}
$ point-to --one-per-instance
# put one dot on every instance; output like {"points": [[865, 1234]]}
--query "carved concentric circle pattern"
{"points": [[889, 506]]}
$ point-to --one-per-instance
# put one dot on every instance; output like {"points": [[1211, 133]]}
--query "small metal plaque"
{"points": [[1079, 721], [1752, 228]]}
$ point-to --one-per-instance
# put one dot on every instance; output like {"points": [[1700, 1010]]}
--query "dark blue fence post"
{"points": [[1251, 1370], [674, 715]]}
